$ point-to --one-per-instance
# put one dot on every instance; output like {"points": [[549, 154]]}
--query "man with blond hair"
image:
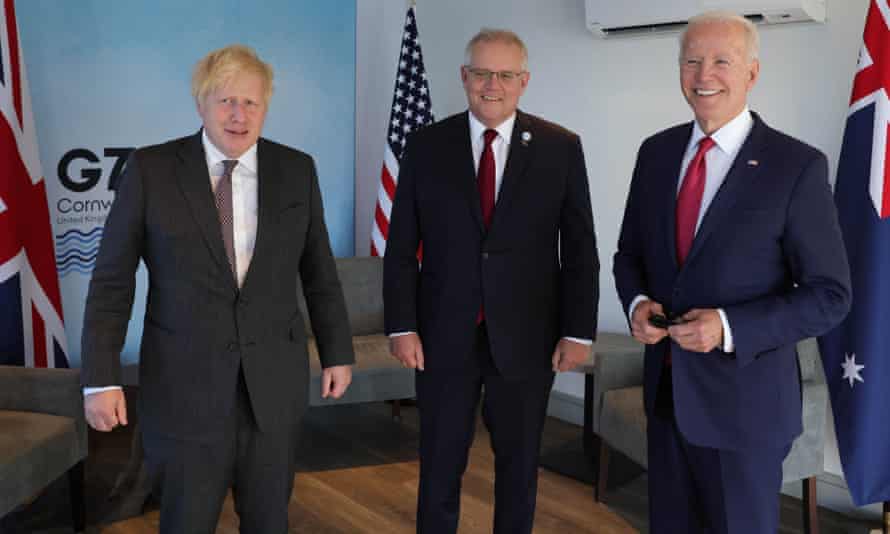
{"points": [[225, 222], [507, 292], [729, 254]]}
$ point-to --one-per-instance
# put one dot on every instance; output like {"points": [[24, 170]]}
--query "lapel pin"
{"points": [[753, 163], [526, 138]]}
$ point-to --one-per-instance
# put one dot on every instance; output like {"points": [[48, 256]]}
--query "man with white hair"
{"points": [[729, 254]]}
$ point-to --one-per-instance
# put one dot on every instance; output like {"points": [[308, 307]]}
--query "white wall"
{"points": [[613, 93]]}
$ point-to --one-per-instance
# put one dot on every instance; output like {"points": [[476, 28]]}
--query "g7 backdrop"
{"points": [[106, 77]]}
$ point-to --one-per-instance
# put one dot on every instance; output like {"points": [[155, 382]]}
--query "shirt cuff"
{"points": [[90, 391], [633, 305], [580, 340], [397, 334], [728, 345]]}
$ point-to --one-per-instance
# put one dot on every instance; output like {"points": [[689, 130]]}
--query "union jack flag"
{"points": [[411, 110], [855, 354], [33, 333]]}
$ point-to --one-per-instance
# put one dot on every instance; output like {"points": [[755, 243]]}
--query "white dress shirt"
{"points": [[244, 209], [728, 141], [244, 200], [500, 146]]}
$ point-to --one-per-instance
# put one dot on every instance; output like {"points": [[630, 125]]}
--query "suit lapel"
{"points": [[269, 203], [194, 182], [669, 169], [519, 155], [741, 173], [466, 169]]}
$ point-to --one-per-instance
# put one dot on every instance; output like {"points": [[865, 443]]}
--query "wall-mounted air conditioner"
{"points": [[614, 18]]}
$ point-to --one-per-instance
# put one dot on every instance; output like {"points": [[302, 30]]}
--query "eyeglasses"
{"points": [[505, 76]]}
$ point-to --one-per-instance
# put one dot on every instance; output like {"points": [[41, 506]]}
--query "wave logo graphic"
{"points": [[76, 251]]}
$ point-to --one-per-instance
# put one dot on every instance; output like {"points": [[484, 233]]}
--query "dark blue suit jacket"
{"points": [[535, 269], [768, 251]]}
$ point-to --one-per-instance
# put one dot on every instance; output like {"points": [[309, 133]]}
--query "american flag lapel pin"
{"points": [[525, 137], [753, 163]]}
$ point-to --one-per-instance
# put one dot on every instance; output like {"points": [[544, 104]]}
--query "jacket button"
{"points": [[485, 255]]}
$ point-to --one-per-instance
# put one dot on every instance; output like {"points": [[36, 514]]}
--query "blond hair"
{"points": [[218, 67], [494, 35]]}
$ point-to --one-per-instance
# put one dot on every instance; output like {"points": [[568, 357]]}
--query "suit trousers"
{"points": [[701, 490], [513, 411], [193, 476]]}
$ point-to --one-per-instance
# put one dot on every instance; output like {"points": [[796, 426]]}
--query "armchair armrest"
{"points": [[618, 364], [49, 391]]}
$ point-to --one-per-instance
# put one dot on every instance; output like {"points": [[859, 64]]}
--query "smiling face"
{"points": [[716, 72], [234, 113], [494, 100]]}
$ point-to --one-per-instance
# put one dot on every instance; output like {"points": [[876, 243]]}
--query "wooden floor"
{"points": [[357, 473], [381, 498]]}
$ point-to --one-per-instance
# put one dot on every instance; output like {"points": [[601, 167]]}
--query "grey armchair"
{"points": [[376, 376], [620, 421], [43, 435]]}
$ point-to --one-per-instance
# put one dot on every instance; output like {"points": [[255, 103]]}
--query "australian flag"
{"points": [[31, 328], [856, 354]]}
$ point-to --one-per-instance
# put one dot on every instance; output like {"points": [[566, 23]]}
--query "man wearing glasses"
{"points": [[507, 291]]}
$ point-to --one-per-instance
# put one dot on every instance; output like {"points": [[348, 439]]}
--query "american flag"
{"points": [[31, 328], [411, 110]]}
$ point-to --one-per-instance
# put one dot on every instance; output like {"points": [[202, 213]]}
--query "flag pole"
{"points": [[886, 518]]}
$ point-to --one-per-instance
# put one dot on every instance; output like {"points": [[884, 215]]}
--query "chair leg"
{"points": [[602, 476], [396, 410], [75, 483], [810, 506]]}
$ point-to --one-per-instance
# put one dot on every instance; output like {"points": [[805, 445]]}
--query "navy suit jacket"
{"points": [[768, 251], [535, 269]]}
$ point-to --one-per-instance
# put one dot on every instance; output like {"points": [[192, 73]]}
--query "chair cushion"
{"points": [[362, 281], [807, 455], [376, 375], [623, 422], [35, 449]]}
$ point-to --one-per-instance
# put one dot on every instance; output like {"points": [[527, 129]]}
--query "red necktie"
{"points": [[485, 178], [485, 182], [689, 199], [688, 206]]}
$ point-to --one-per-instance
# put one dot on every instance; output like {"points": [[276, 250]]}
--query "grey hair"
{"points": [[495, 35], [752, 37]]}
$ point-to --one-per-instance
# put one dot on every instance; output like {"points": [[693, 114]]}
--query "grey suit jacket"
{"points": [[199, 328]]}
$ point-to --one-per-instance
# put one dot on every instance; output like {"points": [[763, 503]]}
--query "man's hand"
{"points": [[639, 324], [106, 409], [335, 380], [702, 331], [569, 354], [408, 350]]}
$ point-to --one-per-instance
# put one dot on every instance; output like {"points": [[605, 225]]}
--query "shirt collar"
{"points": [[215, 156], [504, 129], [730, 136]]}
